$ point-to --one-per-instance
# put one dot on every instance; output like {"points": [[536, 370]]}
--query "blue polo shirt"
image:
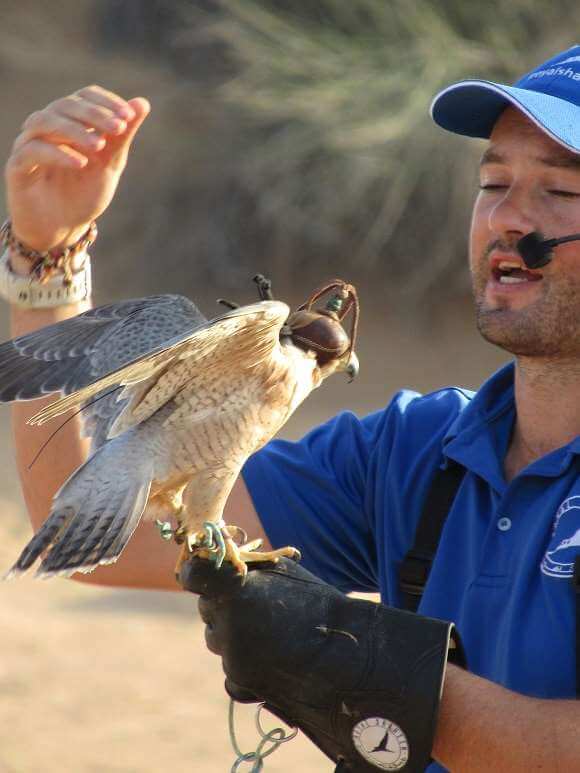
{"points": [[349, 496]]}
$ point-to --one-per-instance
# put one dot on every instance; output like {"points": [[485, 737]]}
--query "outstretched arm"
{"points": [[62, 174]]}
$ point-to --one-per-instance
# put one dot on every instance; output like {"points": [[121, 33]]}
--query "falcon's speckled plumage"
{"points": [[192, 400]]}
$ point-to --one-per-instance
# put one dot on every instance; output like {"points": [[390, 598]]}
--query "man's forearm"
{"points": [[147, 561], [66, 450], [484, 727]]}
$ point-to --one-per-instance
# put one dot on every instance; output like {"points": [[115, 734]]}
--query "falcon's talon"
{"points": [[234, 556], [297, 555], [192, 542]]}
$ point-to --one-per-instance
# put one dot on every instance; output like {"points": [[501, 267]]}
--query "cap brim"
{"points": [[472, 107]]}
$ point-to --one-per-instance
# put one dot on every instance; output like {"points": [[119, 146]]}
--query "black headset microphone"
{"points": [[537, 251]]}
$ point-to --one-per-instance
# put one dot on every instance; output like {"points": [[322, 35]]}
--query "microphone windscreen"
{"points": [[534, 250]]}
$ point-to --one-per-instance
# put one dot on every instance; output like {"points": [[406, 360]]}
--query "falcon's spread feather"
{"points": [[251, 331], [193, 399], [78, 351]]}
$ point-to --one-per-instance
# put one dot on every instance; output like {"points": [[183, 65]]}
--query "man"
{"points": [[350, 495]]}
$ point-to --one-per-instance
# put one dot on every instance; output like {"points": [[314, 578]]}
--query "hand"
{"points": [[361, 680], [66, 164]]}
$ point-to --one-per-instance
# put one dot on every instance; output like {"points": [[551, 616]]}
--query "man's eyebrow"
{"points": [[560, 160], [491, 156]]}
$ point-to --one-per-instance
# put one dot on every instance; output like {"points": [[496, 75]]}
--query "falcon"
{"points": [[174, 405]]}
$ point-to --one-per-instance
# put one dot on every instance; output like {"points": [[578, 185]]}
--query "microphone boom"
{"points": [[537, 251]]}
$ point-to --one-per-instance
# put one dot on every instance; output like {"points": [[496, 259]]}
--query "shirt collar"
{"points": [[479, 436], [492, 400]]}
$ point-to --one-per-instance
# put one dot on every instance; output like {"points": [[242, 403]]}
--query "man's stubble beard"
{"points": [[548, 328]]}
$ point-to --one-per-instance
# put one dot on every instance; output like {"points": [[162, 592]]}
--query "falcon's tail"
{"points": [[93, 515]]}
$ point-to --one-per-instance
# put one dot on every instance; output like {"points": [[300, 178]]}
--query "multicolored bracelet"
{"points": [[52, 281], [46, 265]]}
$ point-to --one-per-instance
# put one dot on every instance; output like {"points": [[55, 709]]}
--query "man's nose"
{"points": [[511, 214]]}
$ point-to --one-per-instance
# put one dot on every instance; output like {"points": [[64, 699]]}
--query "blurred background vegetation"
{"points": [[320, 152], [293, 136]]}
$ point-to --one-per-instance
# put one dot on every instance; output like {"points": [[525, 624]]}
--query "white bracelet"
{"points": [[28, 292]]}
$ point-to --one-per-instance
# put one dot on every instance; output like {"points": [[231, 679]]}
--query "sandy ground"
{"points": [[112, 682], [94, 680]]}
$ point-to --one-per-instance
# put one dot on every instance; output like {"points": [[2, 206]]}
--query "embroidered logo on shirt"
{"points": [[559, 559]]}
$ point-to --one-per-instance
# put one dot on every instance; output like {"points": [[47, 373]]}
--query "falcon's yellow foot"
{"points": [[240, 555], [248, 554], [190, 545], [218, 544], [209, 544], [248, 551]]}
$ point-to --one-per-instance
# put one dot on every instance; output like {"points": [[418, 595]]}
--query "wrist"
{"points": [[57, 277], [62, 261], [49, 240], [27, 291], [22, 266]]}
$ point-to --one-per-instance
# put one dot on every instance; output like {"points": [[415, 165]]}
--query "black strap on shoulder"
{"points": [[415, 567]]}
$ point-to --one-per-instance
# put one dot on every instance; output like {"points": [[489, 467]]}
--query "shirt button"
{"points": [[504, 524]]}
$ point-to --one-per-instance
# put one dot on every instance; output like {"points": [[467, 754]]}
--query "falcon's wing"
{"points": [[244, 337], [71, 354]]}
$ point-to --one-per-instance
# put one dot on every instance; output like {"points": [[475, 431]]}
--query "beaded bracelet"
{"points": [[46, 265], [52, 281]]}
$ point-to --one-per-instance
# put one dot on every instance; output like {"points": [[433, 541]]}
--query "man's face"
{"points": [[528, 183]]}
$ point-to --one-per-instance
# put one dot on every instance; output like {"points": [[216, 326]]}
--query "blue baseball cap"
{"points": [[549, 96]]}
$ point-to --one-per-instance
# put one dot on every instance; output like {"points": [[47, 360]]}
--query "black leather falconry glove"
{"points": [[361, 680]]}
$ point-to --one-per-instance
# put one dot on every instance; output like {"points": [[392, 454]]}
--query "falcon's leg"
{"points": [[160, 505], [209, 543], [264, 291]]}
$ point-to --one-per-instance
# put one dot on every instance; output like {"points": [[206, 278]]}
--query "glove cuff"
{"points": [[388, 721], [390, 724]]}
